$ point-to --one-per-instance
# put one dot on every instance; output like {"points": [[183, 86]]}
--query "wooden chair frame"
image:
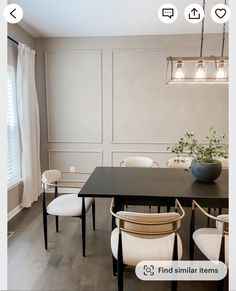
{"points": [[118, 264], [56, 185]]}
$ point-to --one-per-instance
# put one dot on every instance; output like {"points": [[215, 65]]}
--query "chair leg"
{"points": [[220, 211], [220, 285], [114, 266], [45, 230], [120, 275], [93, 214], [57, 223], [158, 209], [174, 286], [168, 208], [191, 241]]}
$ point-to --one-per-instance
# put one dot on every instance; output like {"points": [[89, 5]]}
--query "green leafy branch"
{"points": [[215, 147]]}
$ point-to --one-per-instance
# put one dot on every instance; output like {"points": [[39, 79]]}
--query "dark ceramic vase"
{"points": [[206, 172]]}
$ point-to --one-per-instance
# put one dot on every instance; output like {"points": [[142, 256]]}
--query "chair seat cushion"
{"points": [[208, 240], [68, 205], [136, 248]]}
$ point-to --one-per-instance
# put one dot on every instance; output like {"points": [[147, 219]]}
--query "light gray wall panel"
{"points": [[127, 107], [74, 95], [146, 110]]}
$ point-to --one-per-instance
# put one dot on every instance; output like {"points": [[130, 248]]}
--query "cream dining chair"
{"points": [[179, 163], [145, 236], [139, 162], [212, 242], [66, 204]]}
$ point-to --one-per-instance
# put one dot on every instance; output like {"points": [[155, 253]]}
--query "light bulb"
{"points": [[179, 74], [200, 74], [220, 74]]}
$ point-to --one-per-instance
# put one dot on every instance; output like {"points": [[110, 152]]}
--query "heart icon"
{"points": [[220, 12]]}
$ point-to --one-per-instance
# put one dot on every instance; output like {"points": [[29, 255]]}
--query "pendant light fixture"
{"points": [[202, 69], [221, 70]]}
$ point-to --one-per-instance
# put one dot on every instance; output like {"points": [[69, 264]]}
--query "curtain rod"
{"points": [[13, 40]]}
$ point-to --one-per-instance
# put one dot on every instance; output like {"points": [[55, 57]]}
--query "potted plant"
{"points": [[205, 166]]}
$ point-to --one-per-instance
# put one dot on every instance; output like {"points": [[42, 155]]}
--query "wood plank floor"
{"points": [[62, 267]]}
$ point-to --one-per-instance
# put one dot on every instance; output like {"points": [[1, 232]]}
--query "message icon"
{"points": [[168, 13]]}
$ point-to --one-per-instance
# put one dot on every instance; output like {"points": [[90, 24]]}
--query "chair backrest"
{"points": [[50, 177], [224, 163], [149, 224], [138, 162], [179, 162], [219, 224], [157, 224]]}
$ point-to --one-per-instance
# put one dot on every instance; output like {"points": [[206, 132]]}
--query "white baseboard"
{"points": [[12, 213]]}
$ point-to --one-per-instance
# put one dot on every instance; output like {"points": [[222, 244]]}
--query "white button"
{"points": [[168, 13], [194, 13], [220, 13], [13, 13]]}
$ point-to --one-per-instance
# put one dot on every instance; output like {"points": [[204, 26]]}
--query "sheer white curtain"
{"points": [[29, 124]]}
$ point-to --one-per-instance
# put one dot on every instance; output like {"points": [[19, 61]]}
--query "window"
{"points": [[14, 145]]}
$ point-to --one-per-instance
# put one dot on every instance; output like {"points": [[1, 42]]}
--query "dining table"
{"points": [[155, 187]]}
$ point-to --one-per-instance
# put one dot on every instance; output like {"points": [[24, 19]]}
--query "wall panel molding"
{"points": [[91, 152], [49, 139]]}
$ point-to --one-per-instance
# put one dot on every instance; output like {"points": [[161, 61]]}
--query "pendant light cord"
{"points": [[223, 37], [203, 28]]}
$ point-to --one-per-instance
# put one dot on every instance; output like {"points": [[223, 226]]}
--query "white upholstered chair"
{"points": [[145, 236], [212, 242], [179, 162], [64, 205], [139, 162]]}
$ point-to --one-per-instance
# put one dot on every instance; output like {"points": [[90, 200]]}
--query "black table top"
{"points": [[153, 182]]}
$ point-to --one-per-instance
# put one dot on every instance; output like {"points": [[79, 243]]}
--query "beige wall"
{"points": [[103, 99], [17, 33]]}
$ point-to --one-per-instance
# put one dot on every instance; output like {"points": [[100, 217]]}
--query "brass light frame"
{"points": [[171, 61]]}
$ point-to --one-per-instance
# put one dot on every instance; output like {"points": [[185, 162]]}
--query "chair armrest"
{"points": [[225, 223]]}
